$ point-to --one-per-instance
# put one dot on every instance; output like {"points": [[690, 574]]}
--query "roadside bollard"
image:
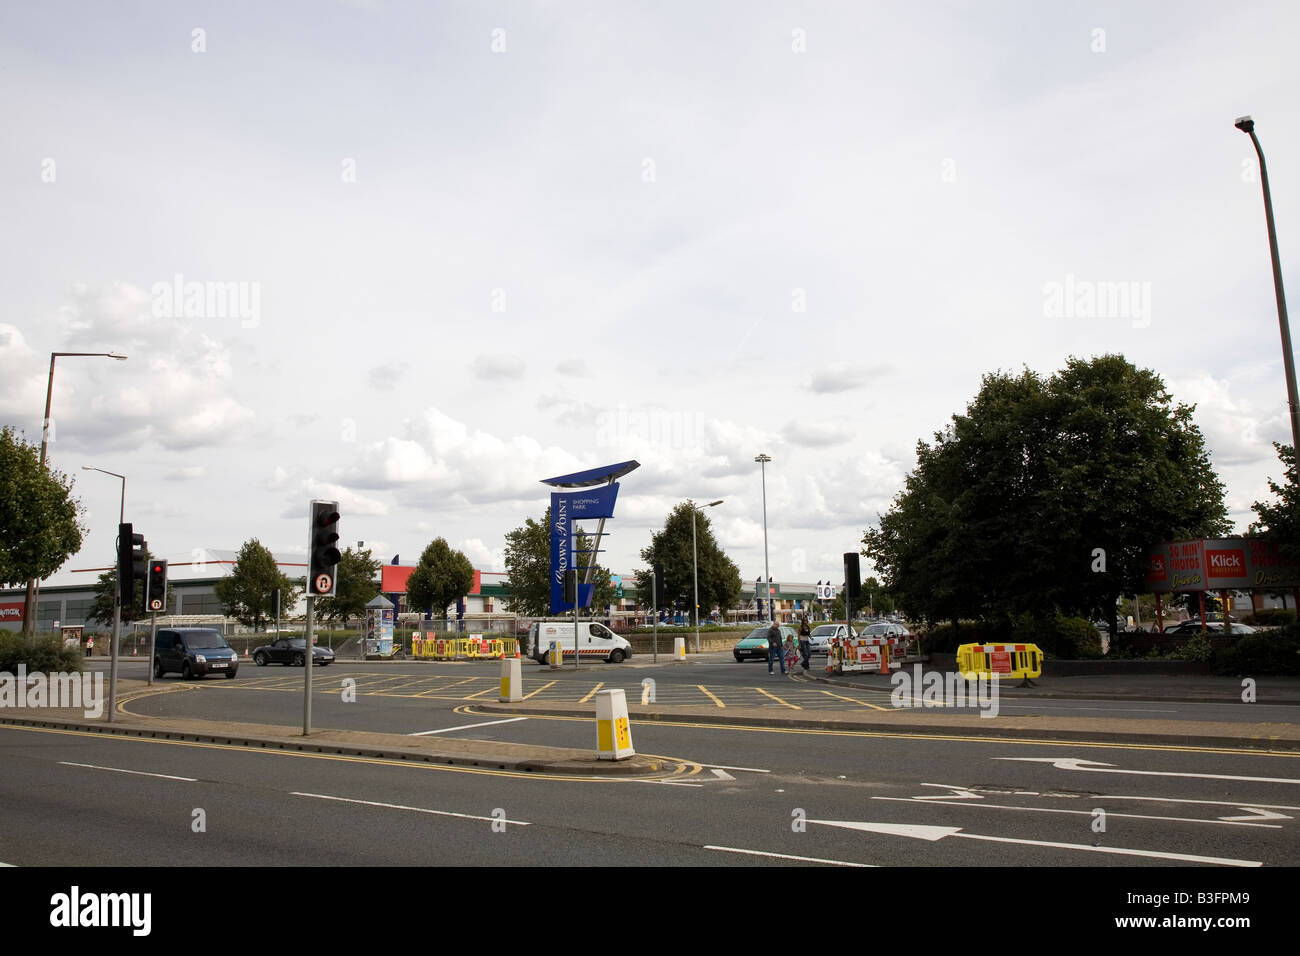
{"points": [[613, 734], [512, 684], [555, 655], [679, 648]]}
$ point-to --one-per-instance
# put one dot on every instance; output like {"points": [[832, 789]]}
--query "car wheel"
{"points": [[616, 656], [739, 659], [158, 668], [259, 659], [186, 672], [230, 675], [297, 660], [324, 663]]}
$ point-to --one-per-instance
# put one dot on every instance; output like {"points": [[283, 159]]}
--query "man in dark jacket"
{"points": [[774, 648]]}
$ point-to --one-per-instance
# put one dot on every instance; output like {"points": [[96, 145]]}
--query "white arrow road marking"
{"points": [[1221, 821], [398, 806], [723, 775], [938, 833], [138, 773], [1076, 763], [447, 730], [784, 856], [1253, 814], [723, 766], [1209, 803], [958, 793]]}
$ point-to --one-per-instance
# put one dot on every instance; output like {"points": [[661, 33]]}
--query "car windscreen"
{"points": [[757, 632], [824, 630], [878, 629], [205, 640]]}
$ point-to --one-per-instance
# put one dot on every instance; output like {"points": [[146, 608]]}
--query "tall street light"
{"points": [[695, 557], [117, 599], [29, 605], [1247, 126], [121, 517], [762, 464]]}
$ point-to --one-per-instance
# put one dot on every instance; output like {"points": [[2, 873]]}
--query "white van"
{"points": [[595, 641]]}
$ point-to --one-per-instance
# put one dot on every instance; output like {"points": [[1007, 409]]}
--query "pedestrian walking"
{"points": [[774, 648], [791, 653], [805, 642]]}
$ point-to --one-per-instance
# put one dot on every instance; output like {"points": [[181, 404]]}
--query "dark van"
{"points": [[193, 652]]}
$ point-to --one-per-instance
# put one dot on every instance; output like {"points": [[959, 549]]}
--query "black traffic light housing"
{"points": [[155, 595], [322, 553], [571, 586], [131, 564], [659, 588]]}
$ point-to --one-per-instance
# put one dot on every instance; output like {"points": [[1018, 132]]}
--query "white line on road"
{"points": [[447, 730], [786, 856], [1078, 763], [723, 766], [139, 773], [933, 833], [723, 775], [398, 806], [1216, 803], [1222, 821]]}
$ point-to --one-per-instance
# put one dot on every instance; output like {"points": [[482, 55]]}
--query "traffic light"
{"points": [[571, 586], [131, 565], [155, 595], [659, 585], [852, 575], [322, 554]]}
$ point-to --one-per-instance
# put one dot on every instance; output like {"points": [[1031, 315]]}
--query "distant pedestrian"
{"points": [[90, 646], [774, 648], [791, 653], [805, 641]]}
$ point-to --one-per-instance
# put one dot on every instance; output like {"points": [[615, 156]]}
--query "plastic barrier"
{"points": [[1005, 660], [858, 654], [512, 685], [613, 733], [679, 648]]}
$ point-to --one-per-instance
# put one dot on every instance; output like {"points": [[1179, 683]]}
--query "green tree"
{"points": [[354, 586], [246, 594], [1045, 497], [1279, 520], [40, 526], [106, 593], [528, 568], [441, 577], [719, 577]]}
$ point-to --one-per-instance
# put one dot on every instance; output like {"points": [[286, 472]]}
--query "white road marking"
{"points": [[1078, 763], [958, 793], [398, 806], [138, 773], [723, 766], [932, 834], [1221, 821], [723, 775], [447, 730], [786, 856], [1212, 803]]}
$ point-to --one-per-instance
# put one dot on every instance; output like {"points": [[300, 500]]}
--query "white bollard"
{"points": [[555, 655], [679, 648], [512, 684], [613, 733]]}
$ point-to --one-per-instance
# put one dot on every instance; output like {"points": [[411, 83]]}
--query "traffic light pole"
{"points": [[654, 603], [307, 662], [153, 642], [112, 666]]}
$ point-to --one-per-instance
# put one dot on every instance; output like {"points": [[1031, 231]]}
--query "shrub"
{"points": [[1196, 649], [44, 653], [1274, 653], [1270, 617]]}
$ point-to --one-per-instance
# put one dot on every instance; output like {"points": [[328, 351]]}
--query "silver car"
{"points": [[823, 634]]}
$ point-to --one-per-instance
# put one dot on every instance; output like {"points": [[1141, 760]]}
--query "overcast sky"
{"points": [[481, 244]]}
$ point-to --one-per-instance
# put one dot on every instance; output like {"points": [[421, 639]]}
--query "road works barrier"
{"points": [[613, 733], [1006, 660], [512, 684], [856, 654], [430, 647]]}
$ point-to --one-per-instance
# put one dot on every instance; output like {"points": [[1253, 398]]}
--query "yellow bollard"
{"points": [[512, 686], [613, 733]]}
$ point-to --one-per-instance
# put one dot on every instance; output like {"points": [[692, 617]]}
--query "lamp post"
{"points": [[695, 558], [117, 601], [1247, 126], [33, 586], [762, 464]]}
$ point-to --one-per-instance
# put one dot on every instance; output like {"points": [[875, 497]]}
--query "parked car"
{"points": [[1211, 627], [753, 646], [291, 651], [886, 630], [823, 634], [193, 652]]}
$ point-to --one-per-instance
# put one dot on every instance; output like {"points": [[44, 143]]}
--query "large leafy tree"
{"points": [[354, 586], [719, 577], [528, 568], [442, 576], [1046, 495], [1279, 520], [40, 526], [247, 592]]}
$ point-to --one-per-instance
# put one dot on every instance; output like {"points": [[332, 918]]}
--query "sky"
{"points": [[429, 254]]}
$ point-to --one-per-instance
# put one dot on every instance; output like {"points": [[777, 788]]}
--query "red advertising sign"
{"points": [[1203, 564], [1226, 566], [11, 612], [1187, 565], [1158, 570]]}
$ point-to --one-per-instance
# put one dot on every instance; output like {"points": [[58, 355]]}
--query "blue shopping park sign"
{"points": [[567, 508]]}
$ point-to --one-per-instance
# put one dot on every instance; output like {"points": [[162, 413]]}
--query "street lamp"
{"points": [[117, 591], [33, 586], [762, 464], [1247, 126], [121, 518], [695, 558]]}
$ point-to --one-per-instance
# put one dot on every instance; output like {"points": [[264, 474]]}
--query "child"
{"points": [[791, 654]]}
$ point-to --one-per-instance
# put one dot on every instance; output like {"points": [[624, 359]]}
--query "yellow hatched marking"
{"points": [[540, 689], [486, 690], [778, 699], [464, 680], [592, 693], [708, 693], [854, 700]]}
